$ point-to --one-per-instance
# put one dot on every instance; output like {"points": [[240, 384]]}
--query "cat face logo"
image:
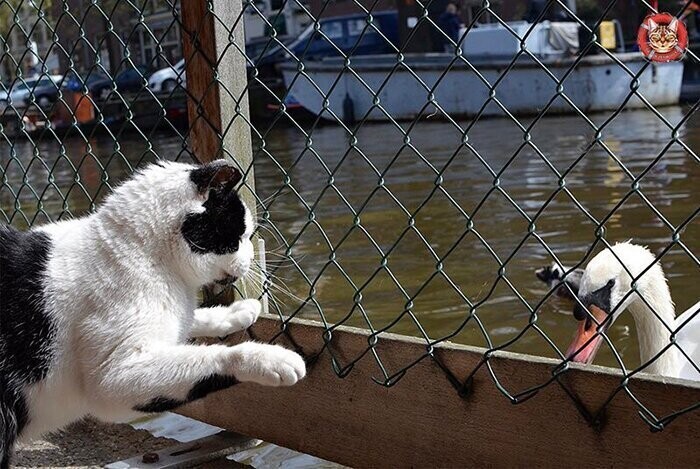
{"points": [[662, 38]]}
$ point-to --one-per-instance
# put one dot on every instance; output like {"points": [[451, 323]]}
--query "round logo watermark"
{"points": [[662, 38]]}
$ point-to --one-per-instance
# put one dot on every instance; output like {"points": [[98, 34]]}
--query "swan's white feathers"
{"points": [[688, 339], [652, 327]]}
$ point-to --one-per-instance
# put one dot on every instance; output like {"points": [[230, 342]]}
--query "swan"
{"points": [[603, 291], [553, 274]]}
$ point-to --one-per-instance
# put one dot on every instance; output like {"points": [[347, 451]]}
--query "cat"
{"points": [[663, 38], [96, 313]]}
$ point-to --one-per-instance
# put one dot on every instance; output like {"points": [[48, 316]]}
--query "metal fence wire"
{"points": [[399, 214]]}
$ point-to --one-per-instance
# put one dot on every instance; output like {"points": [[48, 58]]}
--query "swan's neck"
{"points": [[654, 330]]}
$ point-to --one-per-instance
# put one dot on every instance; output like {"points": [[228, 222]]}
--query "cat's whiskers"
{"points": [[271, 274], [263, 285], [267, 229], [284, 257], [277, 264], [265, 279], [263, 205]]}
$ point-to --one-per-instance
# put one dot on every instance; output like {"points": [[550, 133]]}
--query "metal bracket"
{"points": [[189, 454]]}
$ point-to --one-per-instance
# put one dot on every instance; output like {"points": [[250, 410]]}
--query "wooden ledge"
{"points": [[422, 420]]}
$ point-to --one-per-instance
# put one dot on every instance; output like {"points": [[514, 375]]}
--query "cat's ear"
{"points": [[673, 25], [652, 25], [216, 175], [225, 176]]}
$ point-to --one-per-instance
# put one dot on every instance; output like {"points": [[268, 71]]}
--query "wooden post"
{"points": [[204, 107], [217, 104], [217, 101]]}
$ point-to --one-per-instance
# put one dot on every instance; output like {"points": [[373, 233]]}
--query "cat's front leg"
{"points": [[220, 321], [156, 378]]}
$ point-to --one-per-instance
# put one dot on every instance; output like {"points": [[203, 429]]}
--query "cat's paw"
{"points": [[220, 321], [242, 314], [269, 365]]}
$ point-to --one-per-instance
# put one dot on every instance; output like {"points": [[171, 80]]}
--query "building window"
{"points": [[157, 6], [168, 36]]}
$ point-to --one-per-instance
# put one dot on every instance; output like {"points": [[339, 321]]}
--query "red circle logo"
{"points": [[662, 38]]}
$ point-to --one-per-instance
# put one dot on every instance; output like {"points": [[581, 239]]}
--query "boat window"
{"points": [[332, 29], [44, 82], [355, 27], [28, 84]]}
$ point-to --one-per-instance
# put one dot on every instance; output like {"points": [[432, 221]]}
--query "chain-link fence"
{"points": [[415, 163]]}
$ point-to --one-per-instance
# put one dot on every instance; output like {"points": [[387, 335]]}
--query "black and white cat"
{"points": [[96, 312]]}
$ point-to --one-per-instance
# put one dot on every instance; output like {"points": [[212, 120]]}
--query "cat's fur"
{"points": [[96, 312]]}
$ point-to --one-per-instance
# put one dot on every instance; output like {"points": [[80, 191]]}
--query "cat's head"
{"points": [[190, 217], [663, 38], [218, 232]]}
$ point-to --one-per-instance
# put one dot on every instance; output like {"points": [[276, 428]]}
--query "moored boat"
{"points": [[487, 79], [380, 86]]}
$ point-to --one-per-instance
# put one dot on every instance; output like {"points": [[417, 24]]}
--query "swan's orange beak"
{"points": [[586, 340]]}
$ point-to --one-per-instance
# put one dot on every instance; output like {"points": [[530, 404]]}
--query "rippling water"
{"points": [[500, 229], [318, 217]]}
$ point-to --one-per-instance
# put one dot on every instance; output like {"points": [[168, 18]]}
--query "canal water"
{"points": [[437, 198]]}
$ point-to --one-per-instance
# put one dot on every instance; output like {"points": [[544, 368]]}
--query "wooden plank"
{"points": [[422, 421]]}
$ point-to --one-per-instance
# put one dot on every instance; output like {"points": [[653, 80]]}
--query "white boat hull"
{"points": [[381, 90]]}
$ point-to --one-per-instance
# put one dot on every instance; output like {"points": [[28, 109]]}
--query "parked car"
{"points": [[101, 85], [96, 81], [44, 88], [168, 78], [349, 33], [132, 79]]}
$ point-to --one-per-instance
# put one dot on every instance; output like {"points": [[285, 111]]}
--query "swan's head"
{"points": [[605, 293]]}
